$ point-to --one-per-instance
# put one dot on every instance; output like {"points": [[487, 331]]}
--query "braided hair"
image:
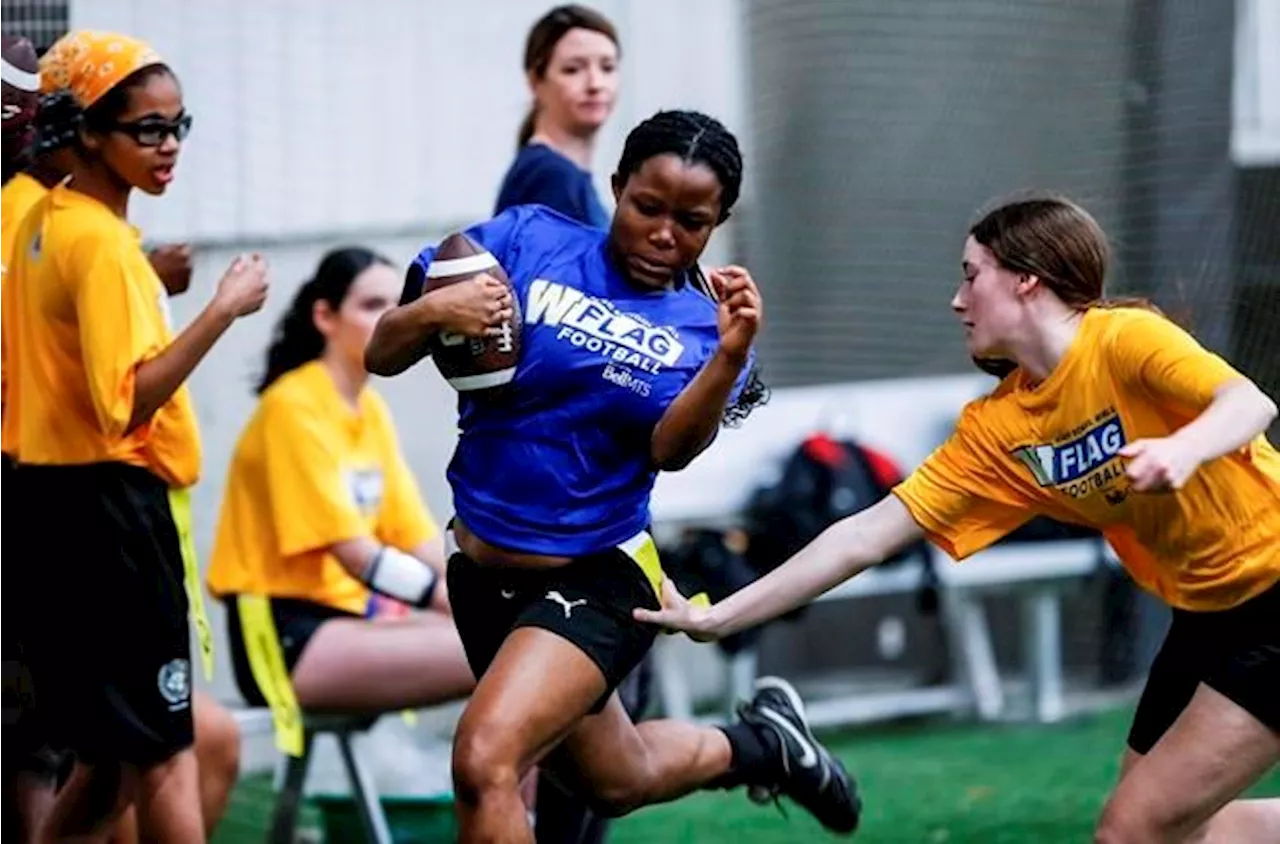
{"points": [[697, 139], [57, 122]]}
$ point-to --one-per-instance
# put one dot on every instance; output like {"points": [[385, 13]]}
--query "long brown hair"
{"points": [[1059, 242], [1056, 240], [541, 44]]}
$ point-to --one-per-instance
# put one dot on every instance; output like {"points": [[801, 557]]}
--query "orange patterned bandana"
{"points": [[89, 63], [53, 66]]}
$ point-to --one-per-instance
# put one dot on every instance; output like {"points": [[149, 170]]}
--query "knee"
{"points": [[483, 762], [621, 797], [217, 743], [1125, 822]]}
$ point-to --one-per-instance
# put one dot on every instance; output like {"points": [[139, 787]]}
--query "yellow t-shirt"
{"points": [[1052, 449], [17, 197], [82, 309], [308, 472]]}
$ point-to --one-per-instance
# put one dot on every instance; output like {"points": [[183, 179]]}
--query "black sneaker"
{"points": [[810, 775]]}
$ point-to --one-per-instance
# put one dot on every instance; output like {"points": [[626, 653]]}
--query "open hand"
{"points": [[679, 613]]}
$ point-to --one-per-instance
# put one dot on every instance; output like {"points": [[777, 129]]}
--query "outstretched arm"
{"points": [[841, 551]]}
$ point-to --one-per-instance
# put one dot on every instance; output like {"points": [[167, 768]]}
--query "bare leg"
{"points": [[33, 797], [169, 801], [89, 804], [356, 665], [622, 766], [126, 829], [217, 751], [1239, 820], [1183, 790], [1244, 820], [516, 717]]}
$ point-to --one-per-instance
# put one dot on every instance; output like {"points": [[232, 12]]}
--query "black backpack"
{"points": [[824, 480]]}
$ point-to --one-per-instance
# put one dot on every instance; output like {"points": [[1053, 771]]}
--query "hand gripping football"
{"points": [[472, 364]]}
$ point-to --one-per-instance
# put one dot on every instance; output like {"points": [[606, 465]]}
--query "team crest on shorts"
{"points": [[175, 683]]}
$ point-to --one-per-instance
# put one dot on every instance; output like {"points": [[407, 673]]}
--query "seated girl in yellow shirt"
{"points": [[320, 510]]}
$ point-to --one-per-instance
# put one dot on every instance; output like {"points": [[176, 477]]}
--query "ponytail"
{"points": [[296, 340], [527, 127]]}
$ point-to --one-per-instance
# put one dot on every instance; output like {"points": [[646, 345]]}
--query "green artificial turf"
{"points": [[921, 784]]}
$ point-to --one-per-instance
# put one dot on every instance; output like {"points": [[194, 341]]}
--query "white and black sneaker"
{"points": [[809, 775]]}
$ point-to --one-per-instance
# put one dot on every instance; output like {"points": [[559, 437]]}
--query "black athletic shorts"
{"points": [[1235, 652], [23, 743], [587, 601], [110, 648], [21, 737], [296, 622]]}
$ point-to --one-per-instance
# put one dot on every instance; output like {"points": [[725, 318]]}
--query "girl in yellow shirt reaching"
{"points": [[320, 509], [1117, 419]]}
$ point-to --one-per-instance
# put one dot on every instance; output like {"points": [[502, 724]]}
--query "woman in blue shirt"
{"points": [[571, 60], [631, 360]]}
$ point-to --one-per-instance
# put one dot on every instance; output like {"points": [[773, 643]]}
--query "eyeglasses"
{"points": [[152, 131]]}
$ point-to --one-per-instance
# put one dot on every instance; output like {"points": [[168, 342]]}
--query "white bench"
{"points": [[905, 418]]}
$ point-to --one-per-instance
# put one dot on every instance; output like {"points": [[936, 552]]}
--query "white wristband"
{"points": [[401, 576]]}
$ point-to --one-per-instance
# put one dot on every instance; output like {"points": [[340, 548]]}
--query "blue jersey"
{"points": [[542, 176], [560, 463]]}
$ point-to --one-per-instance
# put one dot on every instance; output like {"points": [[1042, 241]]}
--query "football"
{"points": [[472, 364], [21, 77]]}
